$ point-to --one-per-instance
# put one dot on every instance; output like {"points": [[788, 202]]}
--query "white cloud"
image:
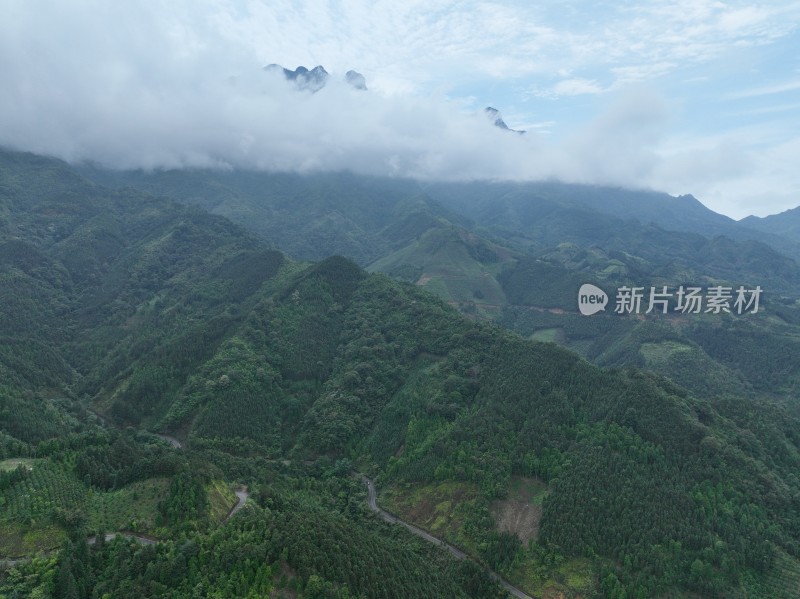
{"points": [[746, 171], [147, 84], [637, 73], [576, 87], [767, 90], [619, 147]]}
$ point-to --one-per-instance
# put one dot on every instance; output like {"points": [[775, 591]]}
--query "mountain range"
{"points": [[637, 456], [315, 79], [516, 253]]}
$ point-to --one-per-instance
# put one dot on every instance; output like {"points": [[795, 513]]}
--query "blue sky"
{"points": [[698, 97]]}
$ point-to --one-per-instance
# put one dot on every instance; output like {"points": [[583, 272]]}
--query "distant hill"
{"points": [[474, 244], [352, 215], [786, 224], [528, 204]]}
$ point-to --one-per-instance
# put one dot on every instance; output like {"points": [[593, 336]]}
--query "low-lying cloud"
{"points": [[128, 115], [131, 86]]}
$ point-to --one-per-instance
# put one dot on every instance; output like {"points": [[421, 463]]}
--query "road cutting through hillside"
{"points": [[372, 501]]}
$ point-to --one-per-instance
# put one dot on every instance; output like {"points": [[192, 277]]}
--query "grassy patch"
{"points": [[577, 574], [660, 353], [14, 463], [573, 578], [134, 507], [17, 539], [526, 488], [221, 499], [436, 507], [554, 335]]}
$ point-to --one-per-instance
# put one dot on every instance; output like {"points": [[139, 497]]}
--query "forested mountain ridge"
{"points": [[517, 253], [786, 223], [114, 298], [163, 317], [504, 210]]}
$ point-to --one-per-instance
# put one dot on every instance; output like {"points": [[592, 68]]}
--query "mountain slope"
{"points": [[327, 365], [119, 299], [501, 204], [165, 317], [477, 250], [456, 265], [786, 224]]}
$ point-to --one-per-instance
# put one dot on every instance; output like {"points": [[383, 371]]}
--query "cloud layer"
{"points": [[156, 93], [146, 86]]}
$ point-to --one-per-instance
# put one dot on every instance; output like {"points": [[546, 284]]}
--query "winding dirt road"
{"points": [[241, 495], [110, 536], [372, 501]]}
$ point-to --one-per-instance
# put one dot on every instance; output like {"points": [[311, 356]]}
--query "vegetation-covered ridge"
{"points": [[288, 376], [517, 253]]}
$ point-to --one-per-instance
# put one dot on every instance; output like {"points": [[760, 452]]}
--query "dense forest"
{"points": [[516, 254], [127, 315]]}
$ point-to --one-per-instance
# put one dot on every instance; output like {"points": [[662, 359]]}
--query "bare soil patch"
{"points": [[518, 517]]}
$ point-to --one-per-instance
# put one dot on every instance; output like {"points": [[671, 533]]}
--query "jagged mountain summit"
{"points": [[494, 115], [315, 79], [356, 79]]}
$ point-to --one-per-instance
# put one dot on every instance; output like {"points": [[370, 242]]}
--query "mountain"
{"points": [[497, 119], [517, 254], [786, 224], [532, 201], [287, 376], [356, 79], [313, 80], [112, 301]]}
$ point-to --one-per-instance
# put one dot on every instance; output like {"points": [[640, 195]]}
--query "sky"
{"points": [[698, 96]]}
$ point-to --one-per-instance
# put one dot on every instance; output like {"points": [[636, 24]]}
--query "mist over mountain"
{"points": [[786, 223], [356, 79], [121, 104], [494, 115], [315, 79]]}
